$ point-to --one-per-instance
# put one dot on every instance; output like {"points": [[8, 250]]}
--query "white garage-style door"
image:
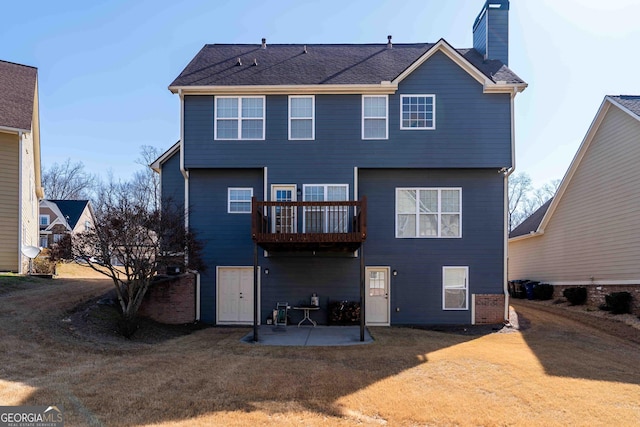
{"points": [[234, 296]]}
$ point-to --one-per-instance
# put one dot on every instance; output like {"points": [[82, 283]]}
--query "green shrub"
{"points": [[576, 296], [619, 302]]}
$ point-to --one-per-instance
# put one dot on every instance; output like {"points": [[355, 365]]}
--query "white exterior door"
{"points": [[234, 300], [377, 296], [284, 218]]}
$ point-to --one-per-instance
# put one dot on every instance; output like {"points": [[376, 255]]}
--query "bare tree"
{"points": [[146, 181], [524, 199], [68, 181], [131, 242]]}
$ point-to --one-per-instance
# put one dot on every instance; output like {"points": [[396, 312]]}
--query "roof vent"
{"points": [[255, 62], [239, 62], [305, 49], [389, 44], [264, 43]]}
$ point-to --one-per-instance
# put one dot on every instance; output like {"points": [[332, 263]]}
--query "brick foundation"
{"points": [[171, 300], [596, 294], [489, 309]]}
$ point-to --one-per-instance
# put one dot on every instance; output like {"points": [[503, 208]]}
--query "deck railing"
{"points": [[290, 223]]}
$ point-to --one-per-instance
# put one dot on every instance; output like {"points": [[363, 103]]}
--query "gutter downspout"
{"points": [[506, 210], [20, 176]]}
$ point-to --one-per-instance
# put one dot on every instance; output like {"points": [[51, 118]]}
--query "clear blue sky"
{"points": [[104, 67]]}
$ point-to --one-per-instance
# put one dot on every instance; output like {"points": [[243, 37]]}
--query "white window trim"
{"points": [[238, 201], [410, 95], [313, 117], [44, 216], [304, 192], [386, 118], [466, 303], [439, 189], [239, 118]]}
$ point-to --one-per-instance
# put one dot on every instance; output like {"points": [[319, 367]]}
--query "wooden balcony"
{"points": [[309, 226]]}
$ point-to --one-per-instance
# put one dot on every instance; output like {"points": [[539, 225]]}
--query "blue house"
{"points": [[373, 173]]}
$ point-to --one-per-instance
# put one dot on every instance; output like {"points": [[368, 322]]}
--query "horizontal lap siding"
{"points": [[472, 129], [417, 289], [226, 237], [593, 232], [172, 184], [9, 161]]}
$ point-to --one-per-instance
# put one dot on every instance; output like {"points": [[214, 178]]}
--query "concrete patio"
{"points": [[309, 336]]}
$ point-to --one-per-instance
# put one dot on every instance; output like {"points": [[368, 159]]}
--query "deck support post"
{"points": [[255, 292], [362, 293]]}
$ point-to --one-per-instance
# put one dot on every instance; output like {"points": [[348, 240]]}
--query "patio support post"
{"points": [[255, 292], [362, 293]]}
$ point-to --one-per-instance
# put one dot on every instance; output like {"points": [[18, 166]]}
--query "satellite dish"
{"points": [[30, 251]]}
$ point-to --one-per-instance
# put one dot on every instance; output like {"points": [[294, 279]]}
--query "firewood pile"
{"points": [[344, 313]]}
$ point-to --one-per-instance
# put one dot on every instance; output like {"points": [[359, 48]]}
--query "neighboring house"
{"points": [[60, 217], [20, 184], [588, 233], [349, 165]]}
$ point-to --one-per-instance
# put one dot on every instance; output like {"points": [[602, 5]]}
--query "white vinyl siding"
{"points": [[417, 112], [239, 117], [375, 112], [301, 117], [325, 219], [585, 236], [239, 200], [428, 212], [455, 288]]}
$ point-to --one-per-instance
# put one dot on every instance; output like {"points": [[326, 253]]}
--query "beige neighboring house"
{"points": [[20, 184], [60, 217], [589, 233]]}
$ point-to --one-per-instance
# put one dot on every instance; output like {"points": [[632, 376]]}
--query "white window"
{"points": [[44, 220], [239, 200], [301, 117], [417, 112], [44, 242], [57, 237], [374, 117], [239, 117], [455, 288], [87, 225], [326, 219], [428, 212]]}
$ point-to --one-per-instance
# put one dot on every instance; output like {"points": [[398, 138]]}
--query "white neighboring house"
{"points": [[60, 217], [589, 233]]}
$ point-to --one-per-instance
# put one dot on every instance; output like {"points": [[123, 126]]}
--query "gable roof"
{"points": [[630, 104], [18, 89], [157, 163], [71, 210], [319, 65], [532, 222]]}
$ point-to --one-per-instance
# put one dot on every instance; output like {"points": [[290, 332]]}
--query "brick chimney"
{"points": [[491, 31]]}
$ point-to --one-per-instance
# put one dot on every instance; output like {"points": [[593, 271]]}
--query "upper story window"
{"points": [[301, 117], [239, 117], [375, 117], [239, 200], [417, 112], [44, 220], [428, 212]]}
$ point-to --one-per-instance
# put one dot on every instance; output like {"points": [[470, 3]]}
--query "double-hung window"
{"points": [[326, 219], [239, 200], [301, 117], [417, 112], [239, 117], [375, 117], [428, 212], [455, 288], [44, 220]]}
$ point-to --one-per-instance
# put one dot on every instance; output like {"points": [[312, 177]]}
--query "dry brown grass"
{"points": [[555, 373]]}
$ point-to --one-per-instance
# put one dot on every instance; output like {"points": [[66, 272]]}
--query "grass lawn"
{"points": [[554, 372]]}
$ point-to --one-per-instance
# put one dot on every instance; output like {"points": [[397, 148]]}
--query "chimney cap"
{"points": [[264, 43], [389, 44]]}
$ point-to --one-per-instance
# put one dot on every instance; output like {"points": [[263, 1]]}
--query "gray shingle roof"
{"points": [[17, 91], [287, 64], [532, 223], [631, 102]]}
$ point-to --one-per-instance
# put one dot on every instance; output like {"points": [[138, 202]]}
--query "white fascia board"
{"points": [[163, 157], [526, 236], [577, 159], [623, 108], [383, 88], [504, 87], [8, 129]]}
